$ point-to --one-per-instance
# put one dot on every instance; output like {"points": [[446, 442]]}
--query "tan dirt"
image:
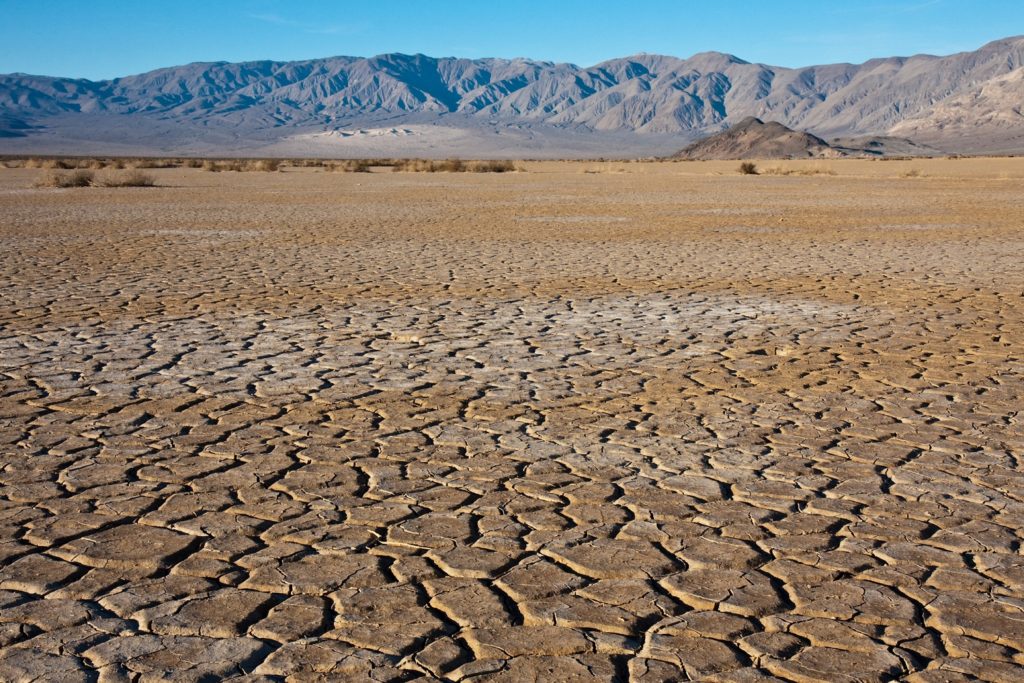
{"points": [[594, 421]]}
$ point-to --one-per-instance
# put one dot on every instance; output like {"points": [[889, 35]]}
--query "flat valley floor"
{"points": [[590, 421]]}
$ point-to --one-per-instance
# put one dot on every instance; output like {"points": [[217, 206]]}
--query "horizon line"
{"points": [[508, 59]]}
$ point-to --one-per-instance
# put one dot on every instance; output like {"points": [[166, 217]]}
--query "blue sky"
{"points": [[107, 38]]}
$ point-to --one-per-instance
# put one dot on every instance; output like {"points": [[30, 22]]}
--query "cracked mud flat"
{"points": [[306, 426]]}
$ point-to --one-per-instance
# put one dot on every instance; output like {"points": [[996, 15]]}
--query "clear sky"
{"points": [[106, 38]]}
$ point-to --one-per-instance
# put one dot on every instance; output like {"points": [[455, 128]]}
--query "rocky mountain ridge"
{"points": [[753, 138]]}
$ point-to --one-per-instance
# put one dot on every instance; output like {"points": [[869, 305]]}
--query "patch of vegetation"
{"points": [[429, 166], [748, 168], [805, 170], [154, 163], [453, 166], [86, 178], [267, 165], [350, 166], [57, 179], [132, 178], [312, 163], [493, 167], [260, 165], [49, 163]]}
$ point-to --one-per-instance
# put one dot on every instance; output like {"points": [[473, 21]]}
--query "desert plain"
{"points": [[587, 421]]}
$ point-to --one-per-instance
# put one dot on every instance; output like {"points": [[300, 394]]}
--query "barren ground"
{"points": [[652, 423]]}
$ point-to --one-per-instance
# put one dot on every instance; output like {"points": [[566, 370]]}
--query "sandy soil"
{"points": [[613, 421]]}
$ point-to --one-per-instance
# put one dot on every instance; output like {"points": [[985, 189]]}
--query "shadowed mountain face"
{"points": [[753, 138], [264, 105]]}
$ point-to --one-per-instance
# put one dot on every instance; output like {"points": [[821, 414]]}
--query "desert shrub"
{"points": [[430, 166], [78, 178], [91, 164], [349, 166], [58, 164], [449, 166], [446, 166], [218, 166], [147, 162], [267, 165], [411, 165], [493, 167], [224, 165], [807, 170], [748, 168], [608, 167], [912, 173], [50, 163], [131, 178]]}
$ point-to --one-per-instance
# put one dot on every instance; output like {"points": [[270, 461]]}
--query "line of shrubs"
{"points": [[263, 165], [416, 165], [269, 165], [86, 178], [453, 166], [95, 164]]}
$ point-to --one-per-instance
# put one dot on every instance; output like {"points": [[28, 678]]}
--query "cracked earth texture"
{"points": [[658, 423]]}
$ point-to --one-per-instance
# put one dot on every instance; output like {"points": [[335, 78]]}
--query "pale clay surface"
{"points": [[650, 424]]}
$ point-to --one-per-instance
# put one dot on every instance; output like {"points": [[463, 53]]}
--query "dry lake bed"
{"points": [[590, 421]]}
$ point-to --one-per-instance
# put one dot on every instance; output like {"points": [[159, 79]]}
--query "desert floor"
{"points": [[591, 421]]}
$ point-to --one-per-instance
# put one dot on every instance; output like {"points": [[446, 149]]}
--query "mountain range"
{"points": [[414, 105]]}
